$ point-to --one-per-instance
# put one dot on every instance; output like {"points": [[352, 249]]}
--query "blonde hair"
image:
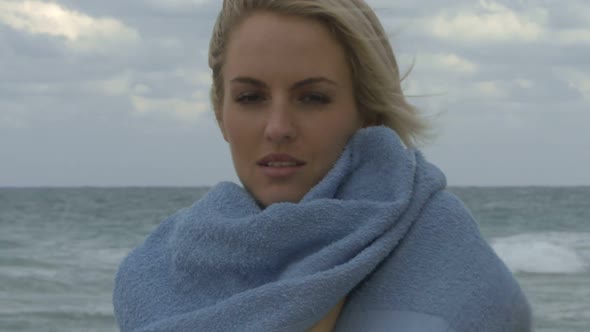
{"points": [[375, 73]]}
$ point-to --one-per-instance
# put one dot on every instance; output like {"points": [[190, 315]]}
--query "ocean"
{"points": [[60, 248]]}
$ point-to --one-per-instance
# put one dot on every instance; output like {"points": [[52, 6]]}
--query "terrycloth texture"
{"points": [[379, 228]]}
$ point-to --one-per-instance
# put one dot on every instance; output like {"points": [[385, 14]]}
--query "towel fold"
{"points": [[378, 230]]}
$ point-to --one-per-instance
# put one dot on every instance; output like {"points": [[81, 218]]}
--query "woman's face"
{"points": [[288, 108]]}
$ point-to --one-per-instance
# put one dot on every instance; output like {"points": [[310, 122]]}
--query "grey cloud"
{"points": [[537, 54], [75, 133], [143, 8]]}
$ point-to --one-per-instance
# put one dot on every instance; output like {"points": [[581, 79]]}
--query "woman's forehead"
{"points": [[269, 42]]}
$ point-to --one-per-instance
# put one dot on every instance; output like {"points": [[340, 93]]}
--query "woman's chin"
{"points": [[286, 195]]}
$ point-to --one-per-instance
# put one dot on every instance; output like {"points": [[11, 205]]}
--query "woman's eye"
{"points": [[315, 98], [249, 98]]}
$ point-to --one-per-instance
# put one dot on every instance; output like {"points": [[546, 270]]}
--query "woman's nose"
{"points": [[279, 126]]}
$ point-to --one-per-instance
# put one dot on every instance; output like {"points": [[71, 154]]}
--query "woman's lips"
{"points": [[277, 159], [280, 165], [280, 171]]}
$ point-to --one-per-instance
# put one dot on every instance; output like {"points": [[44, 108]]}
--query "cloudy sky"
{"points": [[114, 93]]}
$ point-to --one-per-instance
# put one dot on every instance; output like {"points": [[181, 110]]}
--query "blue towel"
{"points": [[379, 230]]}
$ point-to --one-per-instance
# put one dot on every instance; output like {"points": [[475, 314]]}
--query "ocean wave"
{"points": [[545, 253]]}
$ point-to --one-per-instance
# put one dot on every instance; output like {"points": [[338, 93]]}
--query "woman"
{"points": [[340, 225]]}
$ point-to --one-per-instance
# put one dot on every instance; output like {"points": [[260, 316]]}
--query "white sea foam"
{"points": [[551, 252]]}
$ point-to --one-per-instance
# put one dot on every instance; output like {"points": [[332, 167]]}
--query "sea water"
{"points": [[60, 248]]}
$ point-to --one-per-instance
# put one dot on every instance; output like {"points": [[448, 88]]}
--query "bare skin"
{"points": [[327, 323], [288, 90]]}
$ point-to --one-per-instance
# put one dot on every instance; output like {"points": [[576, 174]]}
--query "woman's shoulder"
{"points": [[482, 293], [444, 273]]}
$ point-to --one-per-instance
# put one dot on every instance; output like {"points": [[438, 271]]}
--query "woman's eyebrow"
{"points": [[249, 80], [312, 80], [297, 85]]}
